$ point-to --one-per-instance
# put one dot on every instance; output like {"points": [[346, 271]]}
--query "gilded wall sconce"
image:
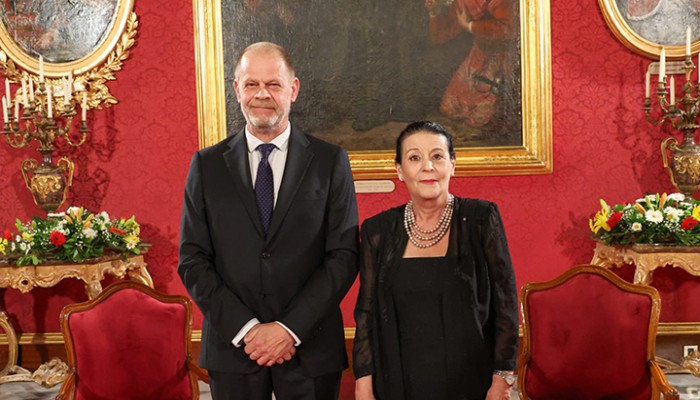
{"points": [[67, 51]]}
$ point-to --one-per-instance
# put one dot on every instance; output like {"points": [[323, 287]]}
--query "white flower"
{"points": [[130, 245], [72, 210], [646, 199], [673, 214], [23, 246], [90, 233], [104, 215], [676, 196], [655, 216], [636, 227]]}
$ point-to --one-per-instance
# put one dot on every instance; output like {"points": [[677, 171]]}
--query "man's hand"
{"points": [[363, 388], [268, 344], [499, 389]]}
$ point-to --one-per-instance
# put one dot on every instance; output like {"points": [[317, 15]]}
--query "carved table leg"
{"points": [[642, 274], [141, 275], [11, 343], [48, 374], [93, 288]]}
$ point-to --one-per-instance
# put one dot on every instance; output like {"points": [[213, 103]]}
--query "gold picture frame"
{"points": [[91, 68], [533, 156], [645, 44]]}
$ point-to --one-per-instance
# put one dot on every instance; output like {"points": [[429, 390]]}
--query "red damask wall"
{"points": [[136, 160]]}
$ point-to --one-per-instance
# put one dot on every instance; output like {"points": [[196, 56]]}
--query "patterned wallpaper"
{"points": [[138, 153]]}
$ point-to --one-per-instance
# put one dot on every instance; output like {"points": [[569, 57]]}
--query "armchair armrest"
{"points": [[659, 383], [199, 372], [67, 391]]}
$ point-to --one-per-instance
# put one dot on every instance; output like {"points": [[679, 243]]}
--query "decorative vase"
{"points": [[684, 163], [48, 182]]}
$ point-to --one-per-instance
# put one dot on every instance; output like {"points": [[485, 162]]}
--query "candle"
{"points": [[41, 69], [687, 42], [66, 93], [49, 100], [673, 91], [662, 65], [69, 86], [84, 108], [31, 90], [17, 110], [25, 98], [646, 84], [4, 109], [7, 90]]}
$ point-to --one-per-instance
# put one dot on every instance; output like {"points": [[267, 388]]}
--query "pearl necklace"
{"points": [[424, 238]]}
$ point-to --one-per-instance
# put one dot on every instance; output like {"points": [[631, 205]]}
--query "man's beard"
{"points": [[264, 122]]}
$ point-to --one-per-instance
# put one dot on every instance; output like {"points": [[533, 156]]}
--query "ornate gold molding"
{"points": [[56, 338]]}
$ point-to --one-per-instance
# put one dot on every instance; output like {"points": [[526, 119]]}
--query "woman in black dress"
{"points": [[437, 310]]}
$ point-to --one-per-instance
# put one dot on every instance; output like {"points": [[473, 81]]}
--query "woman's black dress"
{"points": [[417, 293]]}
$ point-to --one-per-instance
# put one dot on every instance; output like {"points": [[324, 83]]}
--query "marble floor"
{"points": [[688, 386]]}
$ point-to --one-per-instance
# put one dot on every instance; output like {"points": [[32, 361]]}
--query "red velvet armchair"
{"points": [[130, 342], [588, 334]]}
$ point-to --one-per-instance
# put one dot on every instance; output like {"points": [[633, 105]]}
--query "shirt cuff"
{"points": [[238, 339], [297, 342]]}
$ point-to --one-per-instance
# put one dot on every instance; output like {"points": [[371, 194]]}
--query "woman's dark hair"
{"points": [[423, 126]]}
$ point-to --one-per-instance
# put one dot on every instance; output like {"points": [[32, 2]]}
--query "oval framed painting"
{"points": [[71, 36], [645, 26]]}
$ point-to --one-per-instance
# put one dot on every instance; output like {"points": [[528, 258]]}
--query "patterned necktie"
{"points": [[264, 186]]}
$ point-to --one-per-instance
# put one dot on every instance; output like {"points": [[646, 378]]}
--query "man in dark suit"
{"points": [[268, 245]]}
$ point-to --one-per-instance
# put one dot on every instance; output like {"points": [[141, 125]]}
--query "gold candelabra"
{"points": [[42, 117], [681, 160]]}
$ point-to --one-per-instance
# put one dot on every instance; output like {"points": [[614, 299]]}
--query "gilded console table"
{"points": [[25, 278], [647, 258]]}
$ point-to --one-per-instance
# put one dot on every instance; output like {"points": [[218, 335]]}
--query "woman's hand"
{"points": [[463, 18], [363, 388], [499, 389]]}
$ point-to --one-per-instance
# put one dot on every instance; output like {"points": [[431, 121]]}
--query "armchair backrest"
{"points": [[588, 335], [130, 342]]}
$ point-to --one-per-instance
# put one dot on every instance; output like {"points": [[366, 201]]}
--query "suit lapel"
{"points": [[236, 159], [298, 159]]}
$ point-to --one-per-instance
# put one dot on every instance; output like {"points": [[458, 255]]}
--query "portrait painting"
{"points": [[647, 26], [367, 68], [662, 21], [60, 31]]}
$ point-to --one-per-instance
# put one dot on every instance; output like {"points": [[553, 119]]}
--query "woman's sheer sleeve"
{"points": [[362, 359], [504, 295]]}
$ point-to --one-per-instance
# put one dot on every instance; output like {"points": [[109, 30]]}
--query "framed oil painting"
{"points": [[645, 26], [71, 36], [368, 68]]}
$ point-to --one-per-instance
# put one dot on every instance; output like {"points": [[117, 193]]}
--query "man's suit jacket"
{"points": [[297, 275]]}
